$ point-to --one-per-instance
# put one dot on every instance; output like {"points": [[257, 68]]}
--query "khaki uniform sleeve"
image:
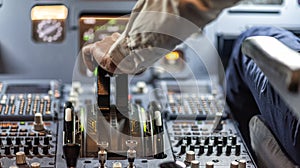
{"points": [[155, 27]]}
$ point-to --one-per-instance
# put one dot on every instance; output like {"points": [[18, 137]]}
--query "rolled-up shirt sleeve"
{"points": [[156, 26]]}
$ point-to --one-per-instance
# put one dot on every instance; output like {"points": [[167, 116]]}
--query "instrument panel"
{"points": [[153, 123], [49, 23], [95, 28], [40, 140]]}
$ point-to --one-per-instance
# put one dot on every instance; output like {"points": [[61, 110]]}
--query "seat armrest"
{"points": [[270, 53], [280, 64]]}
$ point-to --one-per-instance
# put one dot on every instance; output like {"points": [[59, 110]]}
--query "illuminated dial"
{"points": [[50, 30]]}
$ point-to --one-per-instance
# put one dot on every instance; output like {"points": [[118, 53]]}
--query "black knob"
{"points": [[219, 149], [201, 150], [192, 147], [18, 141], [228, 149], [198, 141], [45, 150], [237, 149], [71, 153], [46, 140], [233, 140], [35, 149], [206, 142], [1, 144], [225, 140], [28, 142], [220, 141], [180, 142], [216, 141], [182, 149], [210, 149], [188, 140], [36, 141], [8, 141], [26, 150], [7, 150], [16, 149]]}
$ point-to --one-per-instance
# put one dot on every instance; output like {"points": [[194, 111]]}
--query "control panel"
{"points": [[197, 140], [48, 124], [195, 100], [21, 139], [28, 123], [22, 100]]}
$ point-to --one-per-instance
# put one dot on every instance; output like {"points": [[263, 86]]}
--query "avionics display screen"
{"points": [[264, 2], [95, 28], [188, 88], [30, 88]]}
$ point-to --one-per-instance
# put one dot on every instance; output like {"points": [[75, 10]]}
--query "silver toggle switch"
{"points": [[131, 153], [102, 154]]}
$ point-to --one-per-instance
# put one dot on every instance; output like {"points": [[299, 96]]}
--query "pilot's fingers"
{"points": [[100, 51], [88, 57], [101, 48], [115, 36], [108, 65], [95, 52]]}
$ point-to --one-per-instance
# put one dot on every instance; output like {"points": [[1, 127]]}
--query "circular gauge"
{"points": [[50, 30]]}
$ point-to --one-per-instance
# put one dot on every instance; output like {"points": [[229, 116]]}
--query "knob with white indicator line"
{"points": [[20, 158], [234, 164], [35, 165], [242, 163], [38, 124], [209, 165], [190, 156], [195, 164]]}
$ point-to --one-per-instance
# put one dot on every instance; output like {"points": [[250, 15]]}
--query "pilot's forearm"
{"points": [[157, 26]]}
